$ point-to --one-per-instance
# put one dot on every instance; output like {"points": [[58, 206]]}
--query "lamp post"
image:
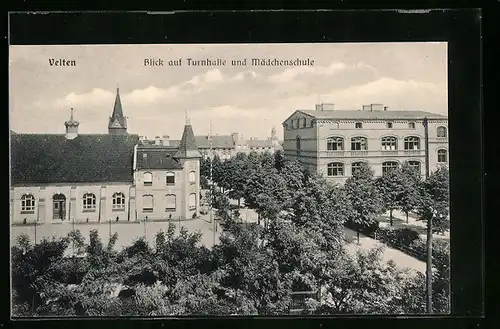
{"points": [[145, 233]]}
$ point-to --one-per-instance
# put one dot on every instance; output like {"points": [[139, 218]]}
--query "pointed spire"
{"points": [[71, 121], [188, 119], [71, 117], [117, 121], [187, 146]]}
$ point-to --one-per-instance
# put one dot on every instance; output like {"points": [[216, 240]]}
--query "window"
{"points": [[358, 144], [170, 179], [89, 202], [147, 203], [118, 201], [170, 202], [355, 166], [389, 125], [389, 165], [411, 125], [192, 177], [442, 156], [441, 132], [414, 165], [335, 169], [412, 143], [358, 125], [192, 201], [389, 143], [304, 122], [27, 204], [148, 179], [335, 144], [298, 143]]}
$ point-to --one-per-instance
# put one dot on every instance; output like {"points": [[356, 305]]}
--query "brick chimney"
{"points": [[377, 107], [166, 140], [158, 140], [385, 108], [325, 107]]}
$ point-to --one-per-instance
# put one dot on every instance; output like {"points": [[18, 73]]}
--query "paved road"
{"points": [[401, 259], [128, 232]]}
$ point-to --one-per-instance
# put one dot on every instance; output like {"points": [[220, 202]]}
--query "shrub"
{"points": [[363, 228], [397, 236]]}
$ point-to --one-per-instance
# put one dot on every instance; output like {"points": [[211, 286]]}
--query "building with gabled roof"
{"points": [[75, 177], [335, 142]]}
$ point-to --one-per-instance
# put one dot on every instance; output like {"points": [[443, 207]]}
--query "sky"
{"points": [[250, 100]]}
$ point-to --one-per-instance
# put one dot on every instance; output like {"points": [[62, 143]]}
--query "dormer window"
{"points": [[358, 125], [170, 179]]}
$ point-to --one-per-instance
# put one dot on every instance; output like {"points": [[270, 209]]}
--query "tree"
{"points": [[279, 160], [409, 195], [434, 209], [363, 196], [390, 188]]}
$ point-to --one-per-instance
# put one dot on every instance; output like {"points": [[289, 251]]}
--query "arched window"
{"points": [[411, 125], [89, 202], [412, 143], [27, 204], [147, 203], [192, 201], [170, 178], [148, 179], [335, 169], [170, 202], [298, 143], [192, 177], [118, 201], [355, 166], [389, 165], [441, 131], [358, 125], [59, 206], [335, 144], [359, 144], [415, 165], [389, 143], [442, 156]]}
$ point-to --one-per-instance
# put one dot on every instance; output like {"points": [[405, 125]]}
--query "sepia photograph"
{"points": [[229, 179]]}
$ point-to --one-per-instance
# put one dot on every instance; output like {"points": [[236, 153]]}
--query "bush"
{"points": [[363, 228], [397, 236], [440, 250]]}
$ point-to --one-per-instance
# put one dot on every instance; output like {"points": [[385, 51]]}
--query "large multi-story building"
{"points": [[334, 143], [224, 146], [77, 177]]}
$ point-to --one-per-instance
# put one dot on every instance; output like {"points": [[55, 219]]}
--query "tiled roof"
{"points": [[43, 158], [157, 157], [218, 141], [187, 147], [389, 114], [254, 143]]}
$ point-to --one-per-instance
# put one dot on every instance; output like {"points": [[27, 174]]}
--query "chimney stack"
{"points": [[325, 107], [166, 140], [158, 140], [377, 107], [367, 108], [385, 108]]}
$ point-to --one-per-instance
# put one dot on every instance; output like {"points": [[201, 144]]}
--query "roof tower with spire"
{"points": [[187, 146], [117, 121]]}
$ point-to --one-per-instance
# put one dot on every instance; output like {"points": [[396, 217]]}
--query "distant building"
{"points": [[225, 146], [77, 177], [335, 143]]}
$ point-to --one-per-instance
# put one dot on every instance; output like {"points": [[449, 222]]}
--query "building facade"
{"points": [[334, 143], [74, 177], [224, 146]]}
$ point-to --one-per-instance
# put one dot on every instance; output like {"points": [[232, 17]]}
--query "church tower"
{"points": [[189, 156], [117, 122]]}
